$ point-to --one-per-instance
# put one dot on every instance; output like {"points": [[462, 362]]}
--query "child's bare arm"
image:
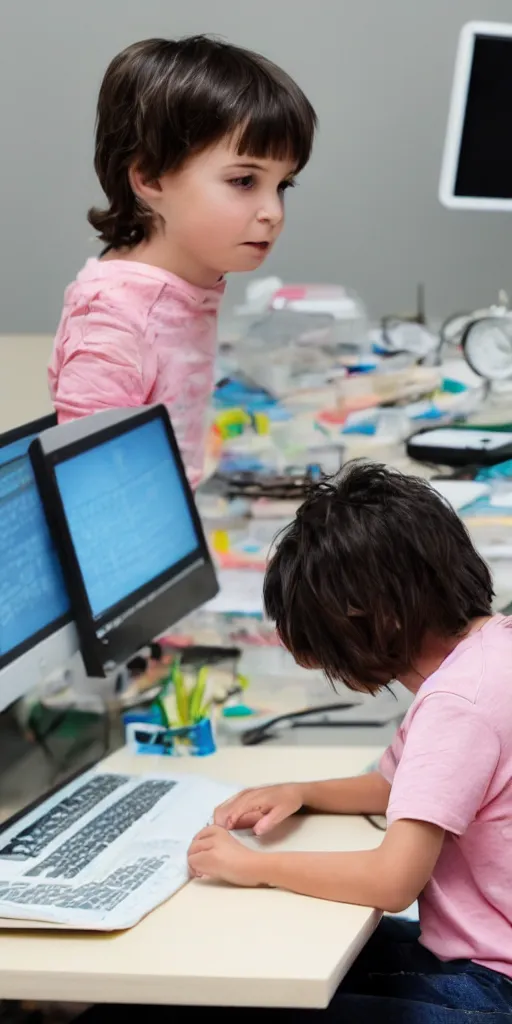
{"points": [[361, 794], [262, 808], [389, 877]]}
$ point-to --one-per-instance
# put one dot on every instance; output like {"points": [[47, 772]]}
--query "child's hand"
{"points": [[214, 853], [260, 809]]}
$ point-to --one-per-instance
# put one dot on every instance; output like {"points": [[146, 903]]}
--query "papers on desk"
{"points": [[241, 592], [460, 493], [501, 499]]}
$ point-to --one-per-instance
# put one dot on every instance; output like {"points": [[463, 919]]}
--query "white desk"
{"points": [[213, 944]]}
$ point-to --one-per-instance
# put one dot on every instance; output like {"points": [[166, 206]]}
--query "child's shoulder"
{"points": [[117, 287], [121, 277], [478, 671], [141, 287]]}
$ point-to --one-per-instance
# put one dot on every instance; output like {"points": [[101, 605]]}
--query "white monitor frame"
{"points": [[58, 651], [456, 116]]}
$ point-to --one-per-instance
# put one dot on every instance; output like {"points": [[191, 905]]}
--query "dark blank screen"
{"points": [[485, 159]]}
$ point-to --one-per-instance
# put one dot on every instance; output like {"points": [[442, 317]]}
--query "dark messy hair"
{"points": [[372, 562], [163, 100]]}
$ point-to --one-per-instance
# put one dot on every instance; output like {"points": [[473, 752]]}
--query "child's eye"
{"points": [[289, 183], [246, 182]]}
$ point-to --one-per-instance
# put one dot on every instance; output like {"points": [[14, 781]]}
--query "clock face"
{"points": [[488, 347]]}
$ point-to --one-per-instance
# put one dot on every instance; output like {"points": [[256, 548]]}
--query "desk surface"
{"points": [[213, 944]]}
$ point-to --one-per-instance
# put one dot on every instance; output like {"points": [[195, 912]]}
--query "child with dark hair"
{"points": [[377, 580], [196, 144]]}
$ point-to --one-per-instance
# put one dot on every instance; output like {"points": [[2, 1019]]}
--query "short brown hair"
{"points": [[164, 100], [373, 561]]}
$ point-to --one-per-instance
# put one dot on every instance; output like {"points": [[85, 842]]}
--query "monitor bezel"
{"points": [[14, 434], [457, 116], [11, 437], [103, 637], [51, 649]]}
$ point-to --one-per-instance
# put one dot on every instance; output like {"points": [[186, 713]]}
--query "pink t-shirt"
{"points": [[132, 335], [451, 764]]}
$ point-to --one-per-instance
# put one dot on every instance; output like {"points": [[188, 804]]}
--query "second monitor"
{"points": [[476, 171], [123, 517], [37, 634]]}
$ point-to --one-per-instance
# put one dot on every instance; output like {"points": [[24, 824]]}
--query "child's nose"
{"points": [[272, 211]]}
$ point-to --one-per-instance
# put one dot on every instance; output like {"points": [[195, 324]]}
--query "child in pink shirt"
{"points": [[375, 580], [196, 143]]}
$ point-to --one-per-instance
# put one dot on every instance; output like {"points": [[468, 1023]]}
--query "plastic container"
{"points": [[298, 338]]}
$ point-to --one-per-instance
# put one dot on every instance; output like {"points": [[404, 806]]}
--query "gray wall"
{"points": [[366, 213]]}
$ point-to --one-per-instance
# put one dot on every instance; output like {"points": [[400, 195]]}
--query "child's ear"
{"points": [[147, 190]]}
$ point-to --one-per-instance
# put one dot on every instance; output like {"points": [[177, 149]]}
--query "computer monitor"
{"points": [[123, 517], [476, 169], [37, 635]]}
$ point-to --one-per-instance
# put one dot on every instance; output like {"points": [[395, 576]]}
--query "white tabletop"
{"points": [[212, 944]]}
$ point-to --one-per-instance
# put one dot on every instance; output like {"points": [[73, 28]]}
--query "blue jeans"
{"points": [[397, 981], [393, 981]]}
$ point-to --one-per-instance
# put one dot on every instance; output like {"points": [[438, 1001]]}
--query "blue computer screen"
{"points": [[32, 590], [127, 513]]}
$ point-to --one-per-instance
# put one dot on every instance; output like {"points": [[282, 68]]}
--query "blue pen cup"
{"points": [[146, 735]]}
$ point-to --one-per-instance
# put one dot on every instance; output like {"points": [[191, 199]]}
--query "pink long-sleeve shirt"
{"points": [[131, 334]]}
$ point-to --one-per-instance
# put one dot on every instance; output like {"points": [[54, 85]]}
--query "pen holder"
{"points": [[145, 735]]}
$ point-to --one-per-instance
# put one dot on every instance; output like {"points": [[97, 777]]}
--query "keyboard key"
{"points": [[33, 839], [102, 896], [77, 852]]}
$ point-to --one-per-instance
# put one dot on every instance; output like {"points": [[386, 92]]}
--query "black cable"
{"points": [[262, 732]]}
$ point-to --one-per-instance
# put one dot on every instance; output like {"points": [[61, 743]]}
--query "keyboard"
{"points": [[92, 896], [88, 842], [104, 851], [33, 839]]}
